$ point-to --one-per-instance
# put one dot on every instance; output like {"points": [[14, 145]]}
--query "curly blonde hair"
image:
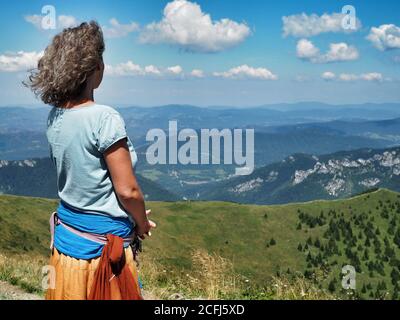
{"points": [[72, 57]]}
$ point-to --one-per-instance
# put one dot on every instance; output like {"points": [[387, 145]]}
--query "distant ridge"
{"points": [[303, 177], [37, 177]]}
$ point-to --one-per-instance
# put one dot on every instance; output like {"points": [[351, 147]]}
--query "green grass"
{"points": [[241, 234], [23, 271], [24, 224]]}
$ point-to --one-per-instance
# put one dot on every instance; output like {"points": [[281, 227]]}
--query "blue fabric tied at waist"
{"points": [[77, 247]]}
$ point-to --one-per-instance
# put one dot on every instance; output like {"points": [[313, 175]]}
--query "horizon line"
{"points": [[126, 105]]}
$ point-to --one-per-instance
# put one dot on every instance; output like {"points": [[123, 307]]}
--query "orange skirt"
{"points": [[73, 278]]}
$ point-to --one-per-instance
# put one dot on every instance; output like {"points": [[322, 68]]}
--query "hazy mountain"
{"points": [[37, 178], [280, 131], [383, 129], [298, 178], [269, 148], [17, 119], [139, 120], [23, 145], [272, 143]]}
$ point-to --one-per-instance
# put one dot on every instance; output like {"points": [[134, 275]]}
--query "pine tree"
{"points": [[395, 275], [366, 255], [364, 289], [396, 293], [397, 238], [332, 287]]}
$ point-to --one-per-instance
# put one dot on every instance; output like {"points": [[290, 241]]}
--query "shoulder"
{"points": [[110, 128], [107, 113], [105, 109], [53, 117]]}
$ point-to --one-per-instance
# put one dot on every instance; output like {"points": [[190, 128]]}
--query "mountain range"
{"points": [[298, 178], [302, 131], [270, 147], [303, 177], [383, 129], [139, 120]]}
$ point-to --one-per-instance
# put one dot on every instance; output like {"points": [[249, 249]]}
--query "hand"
{"points": [[144, 230]]}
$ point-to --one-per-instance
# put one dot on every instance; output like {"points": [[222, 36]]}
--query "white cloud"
{"points": [[176, 70], [303, 25], [63, 21], [197, 73], [244, 71], [130, 68], [340, 52], [328, 76], [118, 30], [19, 61], [337, 52], [306, 49], [185, 24], [372, 76], [347, 77], [67, 21], [35, 20], [385, 37], [152, 70], [124, 69]]}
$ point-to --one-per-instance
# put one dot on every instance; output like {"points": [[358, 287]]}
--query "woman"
{"points": [[94, 160]]}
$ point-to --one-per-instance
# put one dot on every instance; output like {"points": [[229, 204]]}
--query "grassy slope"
{"points": [[240, 233], [24, 224]]}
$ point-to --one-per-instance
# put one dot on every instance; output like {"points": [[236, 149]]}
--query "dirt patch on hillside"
{"points": [[10, 292]]}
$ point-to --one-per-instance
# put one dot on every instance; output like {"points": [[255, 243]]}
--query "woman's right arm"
{"points": [[126, 187]]}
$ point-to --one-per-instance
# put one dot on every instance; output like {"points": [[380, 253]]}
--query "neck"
{"points": [[86, 97]]}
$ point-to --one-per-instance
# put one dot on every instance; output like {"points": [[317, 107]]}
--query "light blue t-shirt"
{"points": [[78, 138]]}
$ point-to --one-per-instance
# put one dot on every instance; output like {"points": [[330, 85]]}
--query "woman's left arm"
{"points": [[125, 184]]}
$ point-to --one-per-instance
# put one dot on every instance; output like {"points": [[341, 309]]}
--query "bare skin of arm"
{"points": [[126, 187]]}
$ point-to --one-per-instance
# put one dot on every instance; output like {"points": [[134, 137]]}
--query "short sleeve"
{"points": [[112, 129], [133, 153]]}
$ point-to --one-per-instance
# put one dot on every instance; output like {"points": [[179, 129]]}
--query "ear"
{"points": [[101, 64]]}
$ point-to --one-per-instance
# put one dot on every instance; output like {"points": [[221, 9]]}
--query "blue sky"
{"points": [[219, 52]]}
